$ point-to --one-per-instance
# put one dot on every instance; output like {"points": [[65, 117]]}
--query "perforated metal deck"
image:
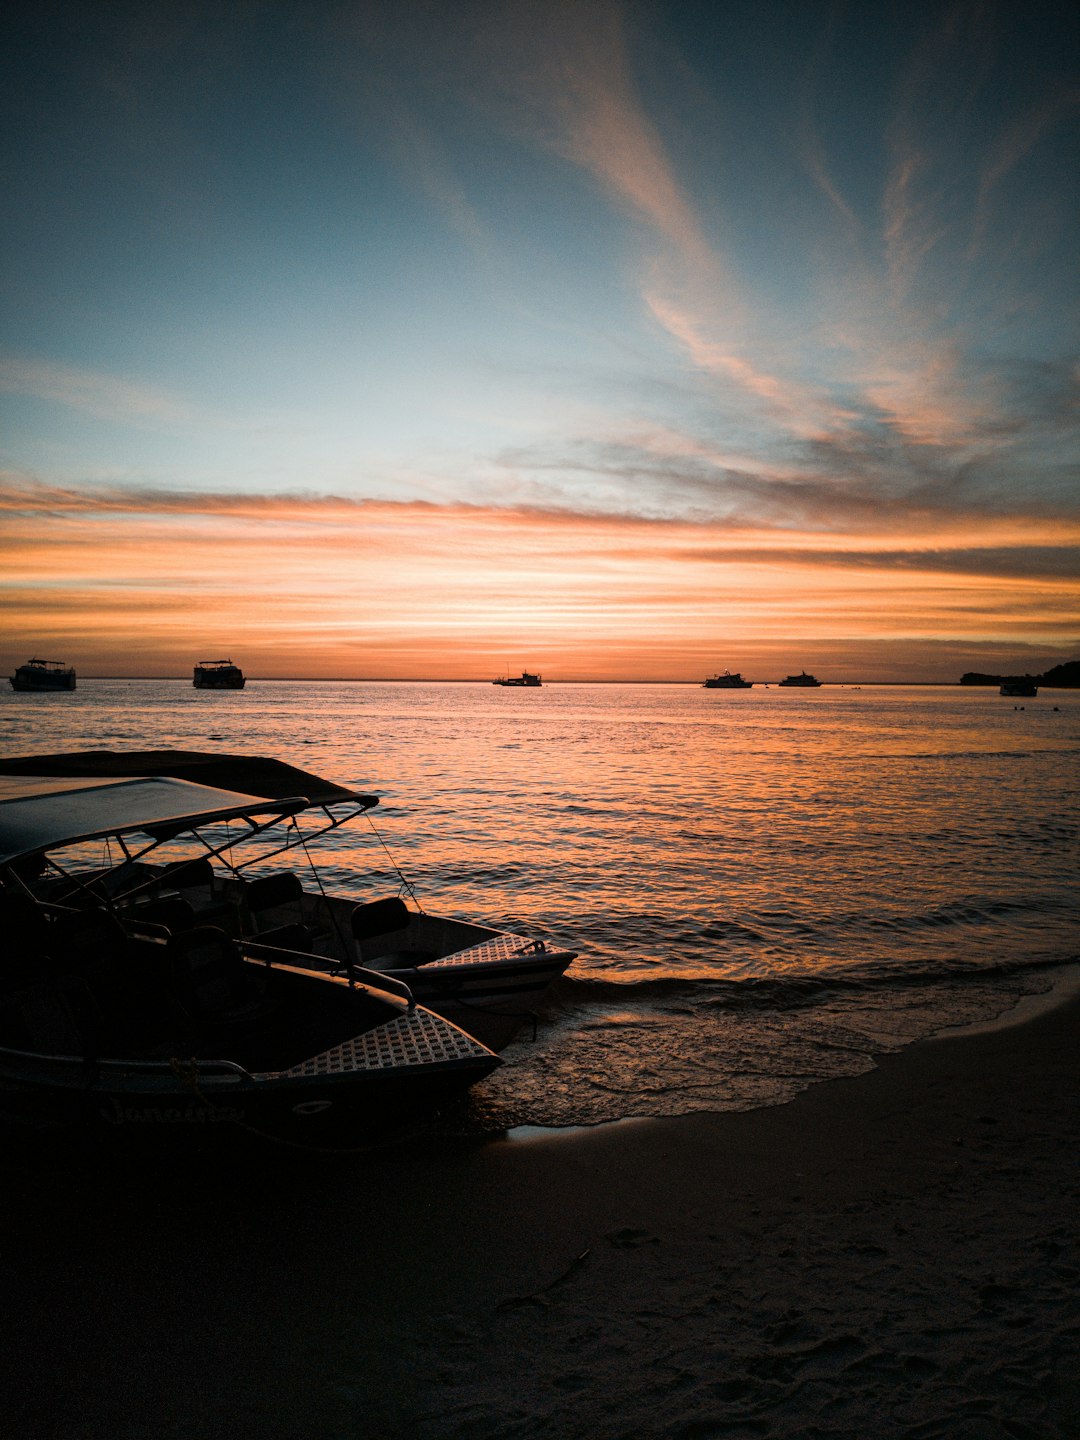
{"points": [[418, 1038], [500, 947]]}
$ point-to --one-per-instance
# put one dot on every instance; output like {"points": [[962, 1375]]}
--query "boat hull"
{"points": [[69, 1095], [491, 1000], [219, 682]]}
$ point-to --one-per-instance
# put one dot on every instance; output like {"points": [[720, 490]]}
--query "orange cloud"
{"points": [[320, 586]]}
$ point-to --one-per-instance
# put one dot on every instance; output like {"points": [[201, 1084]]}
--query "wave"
{"points": [[790, 992]]}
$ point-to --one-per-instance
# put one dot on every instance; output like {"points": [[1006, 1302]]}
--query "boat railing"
{"points": [[356, 975], [199, 1069]]}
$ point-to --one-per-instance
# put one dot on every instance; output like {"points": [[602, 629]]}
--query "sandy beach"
{"points": [[894, 1254]]}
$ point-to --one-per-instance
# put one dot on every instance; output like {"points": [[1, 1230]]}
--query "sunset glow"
{"points": [[617, 342]]}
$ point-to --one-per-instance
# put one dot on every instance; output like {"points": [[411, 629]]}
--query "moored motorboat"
{"points": [[110, 1018], [1022, 685], [44, 675], [488, 981], [217, 675]]}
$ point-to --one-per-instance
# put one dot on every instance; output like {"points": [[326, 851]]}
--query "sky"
{"points": [[611, 340]]}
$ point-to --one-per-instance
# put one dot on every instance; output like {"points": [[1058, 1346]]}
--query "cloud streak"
{"points": [[106, 397]]}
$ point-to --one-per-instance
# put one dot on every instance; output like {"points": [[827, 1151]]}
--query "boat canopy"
{"points": [[249, 774], [41, 812]]}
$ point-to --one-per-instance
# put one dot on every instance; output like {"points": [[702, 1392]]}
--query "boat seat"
{"points": [[132, 875], [222, 915], [185, 874], [379, 917], [211, 980], [87, 943], [123, 976], [268, 891], [276, 892], [372, 923], [172, 911]]}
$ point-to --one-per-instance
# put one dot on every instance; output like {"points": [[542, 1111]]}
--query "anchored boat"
{"points": [[526, 680], [218, 675], [43, 675], [728, 681]]}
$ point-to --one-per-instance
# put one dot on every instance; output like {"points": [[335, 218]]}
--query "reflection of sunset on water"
{"points": [[762, 886]]}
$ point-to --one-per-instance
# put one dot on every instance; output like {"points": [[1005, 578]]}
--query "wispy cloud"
{"points": [[106, 397]]}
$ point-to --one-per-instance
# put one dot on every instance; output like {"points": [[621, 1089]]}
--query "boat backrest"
{"points": [[379, 917], [209, 972], [172, 911], [270, 890], [183, 874]]}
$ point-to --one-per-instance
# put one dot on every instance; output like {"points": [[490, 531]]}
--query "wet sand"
{"points": [[894, 1254]]}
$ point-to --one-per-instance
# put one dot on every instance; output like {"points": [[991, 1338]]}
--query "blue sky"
{"points": [[802, 276]]}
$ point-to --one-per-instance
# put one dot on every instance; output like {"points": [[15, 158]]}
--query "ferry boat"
{"points": [[218, 675], [525, 680], [44, 675], [801, 681], [728, 681]]}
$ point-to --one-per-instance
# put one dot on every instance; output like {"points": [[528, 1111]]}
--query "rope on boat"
{"points": [[329, 908], [406, 885]]}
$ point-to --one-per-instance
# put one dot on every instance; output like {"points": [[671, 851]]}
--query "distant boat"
{"points": [[44, 675], [1019, 685], [218, 675], [728, 681], [524, 680], [803, 681]]}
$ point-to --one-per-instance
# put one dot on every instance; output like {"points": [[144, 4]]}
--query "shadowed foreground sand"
{"points": [[890, 1255]]}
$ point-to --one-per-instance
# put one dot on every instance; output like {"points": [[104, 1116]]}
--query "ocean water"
{"points": [[765, 888]]}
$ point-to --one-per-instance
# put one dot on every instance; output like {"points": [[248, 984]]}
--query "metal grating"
{"points": [[419, 1038], [502, 947]]}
